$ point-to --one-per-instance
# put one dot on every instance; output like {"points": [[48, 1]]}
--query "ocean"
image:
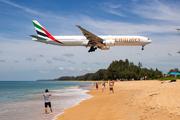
{"points": [[23, 100]]}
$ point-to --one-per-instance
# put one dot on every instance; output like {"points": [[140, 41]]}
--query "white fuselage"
{"points": [[108, 41]]}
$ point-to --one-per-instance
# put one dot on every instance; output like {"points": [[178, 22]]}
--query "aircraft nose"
{"points": [[148, 41]]}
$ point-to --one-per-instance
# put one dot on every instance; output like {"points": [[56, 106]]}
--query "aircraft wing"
{"points": [[93, 39]]}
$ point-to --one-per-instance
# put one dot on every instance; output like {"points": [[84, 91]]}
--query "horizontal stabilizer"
{"points": [[37, 37]]}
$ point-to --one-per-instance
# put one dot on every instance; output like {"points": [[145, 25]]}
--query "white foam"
{"points": [[75, 94], [34, 109], [72, 105]]}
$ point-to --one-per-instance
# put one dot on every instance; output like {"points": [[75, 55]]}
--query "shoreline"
{"points": [[132, 100], [56, 117], [25, 99]]}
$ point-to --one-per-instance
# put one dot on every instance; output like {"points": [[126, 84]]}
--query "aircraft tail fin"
{"points": [[42, 32]]}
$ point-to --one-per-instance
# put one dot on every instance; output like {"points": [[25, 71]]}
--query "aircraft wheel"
{"points": [[142, 47]]}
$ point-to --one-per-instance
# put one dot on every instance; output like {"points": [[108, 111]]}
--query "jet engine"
{"points": [[104, 48], [109, 43]]}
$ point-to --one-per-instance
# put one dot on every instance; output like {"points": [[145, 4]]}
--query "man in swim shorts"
{"points": [[111, 85], [46, 100]]}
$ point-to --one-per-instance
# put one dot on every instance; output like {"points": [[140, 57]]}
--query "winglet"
{"points": [[80, 27]]}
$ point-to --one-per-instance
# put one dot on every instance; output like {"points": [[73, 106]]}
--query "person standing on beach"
{"points": [[103, 86], [111, 85], [96, 86], [46, 100]]}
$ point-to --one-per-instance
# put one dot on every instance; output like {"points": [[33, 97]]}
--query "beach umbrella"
{"points": [[174, 73]]}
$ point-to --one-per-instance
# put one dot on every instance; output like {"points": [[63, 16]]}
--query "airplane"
{"points": [[88, 40]]}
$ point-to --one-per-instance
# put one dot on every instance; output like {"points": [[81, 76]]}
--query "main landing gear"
{"points": [[92, 49], [143, 47]]}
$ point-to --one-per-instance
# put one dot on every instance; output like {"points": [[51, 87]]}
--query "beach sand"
{"points": [[132, 100]]}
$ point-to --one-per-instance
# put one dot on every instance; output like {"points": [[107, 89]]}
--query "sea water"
{"points": [[23, 100]]}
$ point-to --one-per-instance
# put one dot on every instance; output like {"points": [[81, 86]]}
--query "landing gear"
{"points": [[142, 47], [92, 49]]}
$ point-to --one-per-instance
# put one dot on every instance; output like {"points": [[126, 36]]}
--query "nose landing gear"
{"points": [[142, 47]]}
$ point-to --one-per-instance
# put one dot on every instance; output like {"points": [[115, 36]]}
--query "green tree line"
{"points": [[118, 70]]}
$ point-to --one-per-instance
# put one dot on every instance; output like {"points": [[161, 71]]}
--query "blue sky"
{"points": [[23, 59]]}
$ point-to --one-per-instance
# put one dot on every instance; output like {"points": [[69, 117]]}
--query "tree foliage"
{"points": [[119, 70]]}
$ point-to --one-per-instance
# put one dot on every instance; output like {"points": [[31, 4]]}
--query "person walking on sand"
{"points": [[46, 100], [96, 86], [111, 85], [103, 86]]}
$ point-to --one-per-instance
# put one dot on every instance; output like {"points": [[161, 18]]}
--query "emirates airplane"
{"points": [[88, 40]]}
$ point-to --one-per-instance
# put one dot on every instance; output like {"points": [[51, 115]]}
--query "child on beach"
{"points": [[46, 100]]}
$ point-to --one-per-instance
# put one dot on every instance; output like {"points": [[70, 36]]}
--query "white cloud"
{"points": [[31, 59], [58, 59], [61, 68], [115, 12], [58, 24], [68, 55], [159, 10], [88, 69], [71, 71], [70, 68], [123, 28], [18, 6], [74, 69], [112, 8], [112, 5], [107, 27], [97, 63]]}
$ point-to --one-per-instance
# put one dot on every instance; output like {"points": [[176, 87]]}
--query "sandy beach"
{"points": [[132, 100]]}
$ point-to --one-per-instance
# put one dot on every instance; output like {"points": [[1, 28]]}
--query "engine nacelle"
{"points": [[104, 48], [109, 42]]}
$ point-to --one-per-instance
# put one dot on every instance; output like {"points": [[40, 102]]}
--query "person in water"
{"points": [[47, 102]]}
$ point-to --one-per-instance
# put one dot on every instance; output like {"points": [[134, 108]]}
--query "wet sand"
{"points": [[132, 100]]}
